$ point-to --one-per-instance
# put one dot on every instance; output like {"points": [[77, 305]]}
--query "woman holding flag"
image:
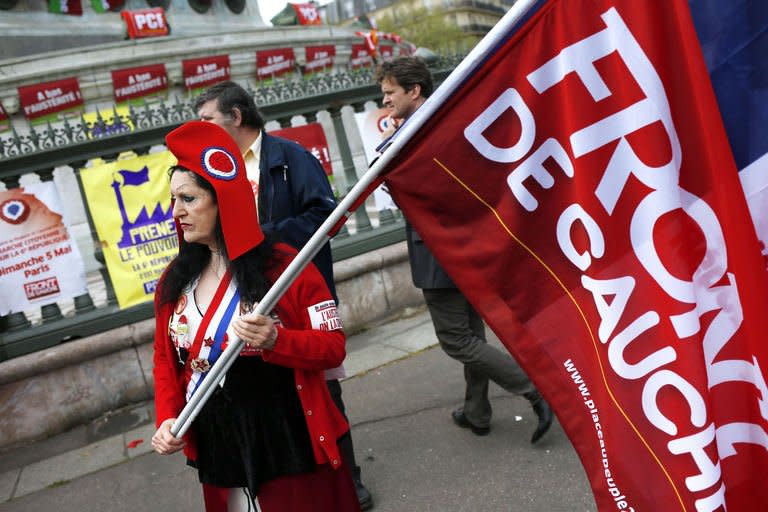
{"points": [[267, 436]]}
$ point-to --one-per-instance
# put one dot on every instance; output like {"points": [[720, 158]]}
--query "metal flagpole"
{"points": [[344, 208]]}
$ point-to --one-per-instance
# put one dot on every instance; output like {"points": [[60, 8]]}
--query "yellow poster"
{"points": [[109, 125], [130, 203]]}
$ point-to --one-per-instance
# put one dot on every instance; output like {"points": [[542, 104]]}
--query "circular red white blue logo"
{"points": [[14, 211], [219, 163]]}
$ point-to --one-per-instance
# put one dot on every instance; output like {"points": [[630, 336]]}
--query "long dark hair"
{"points": [[249, 270]]}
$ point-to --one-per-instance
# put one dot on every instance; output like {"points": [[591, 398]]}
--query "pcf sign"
{"points": [[146, 23]]}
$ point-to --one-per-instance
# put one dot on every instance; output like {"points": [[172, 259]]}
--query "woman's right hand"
{"points": [[163, 441]]}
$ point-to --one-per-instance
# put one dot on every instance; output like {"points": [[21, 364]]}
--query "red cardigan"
{"points": [[309, 352]]}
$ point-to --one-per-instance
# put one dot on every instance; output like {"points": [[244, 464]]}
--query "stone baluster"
{"points": [[84, 302], [98, 254], [49, 312], [386, 216], [362, 221]]}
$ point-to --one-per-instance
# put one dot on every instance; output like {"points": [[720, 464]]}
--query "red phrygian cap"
{"points": [[210, 152]]}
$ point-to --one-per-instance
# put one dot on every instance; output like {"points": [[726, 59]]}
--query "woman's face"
{"points": [[195, 209]]}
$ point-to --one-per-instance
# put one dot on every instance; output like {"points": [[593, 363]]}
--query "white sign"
{"points": [[40, 263]]}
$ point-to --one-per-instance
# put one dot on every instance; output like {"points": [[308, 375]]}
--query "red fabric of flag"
{"points": [[580, 190], [307, 14]]}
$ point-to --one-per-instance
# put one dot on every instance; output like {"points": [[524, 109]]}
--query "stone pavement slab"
{"points": [[7, 483], [68, 466], [413, 457]]}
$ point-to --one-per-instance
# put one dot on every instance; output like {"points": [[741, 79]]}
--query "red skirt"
{"points": [[325, 490]]}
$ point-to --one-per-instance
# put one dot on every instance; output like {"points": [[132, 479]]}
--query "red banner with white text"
{"points": [[580, 190], [146, 23], [360, 58], [45, 102], [319, 58], [205, 71], [141, 82], [312, 138], [274, 63]]}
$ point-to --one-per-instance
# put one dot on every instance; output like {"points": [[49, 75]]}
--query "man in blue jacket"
{"points": [[293, 198]]}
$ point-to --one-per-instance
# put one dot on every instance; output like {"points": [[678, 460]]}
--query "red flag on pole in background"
{"points": [[307, 14], [371, 39], [579, 188]]}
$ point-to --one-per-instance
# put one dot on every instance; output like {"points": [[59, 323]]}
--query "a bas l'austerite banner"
{"points": [[205, 71], [46, 101], [360, 57], [605, 238], [39, 262], [387, 52], [319, 58], [131, 84], [312, 137], [374, 127], [130, 204], [274, 63]]}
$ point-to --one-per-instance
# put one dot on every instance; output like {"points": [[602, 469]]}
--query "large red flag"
{"points": [[579, 188]]}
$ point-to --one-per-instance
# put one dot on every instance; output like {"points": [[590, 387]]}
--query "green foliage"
{"points": [[431, 29]]}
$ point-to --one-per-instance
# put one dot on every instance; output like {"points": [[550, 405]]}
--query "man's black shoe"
{"points": [[363, 496], [544, 413], [462, 421]]}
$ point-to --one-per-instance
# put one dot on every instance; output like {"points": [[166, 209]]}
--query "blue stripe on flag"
{"points": [[734, 38]]}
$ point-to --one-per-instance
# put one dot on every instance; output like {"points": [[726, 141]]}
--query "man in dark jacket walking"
{"points": [[293, 198], [406, 83]]}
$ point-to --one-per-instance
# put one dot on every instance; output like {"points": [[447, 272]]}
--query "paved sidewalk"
{"points": [[399, 397]]}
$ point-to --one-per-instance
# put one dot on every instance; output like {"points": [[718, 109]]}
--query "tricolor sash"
{"points": [[210, 335]]}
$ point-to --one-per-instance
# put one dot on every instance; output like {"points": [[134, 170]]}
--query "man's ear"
{"points": [[237, 117], [415, 91]]}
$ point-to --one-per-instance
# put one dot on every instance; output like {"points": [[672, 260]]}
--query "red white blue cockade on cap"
{"points": [[219, 163]]}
